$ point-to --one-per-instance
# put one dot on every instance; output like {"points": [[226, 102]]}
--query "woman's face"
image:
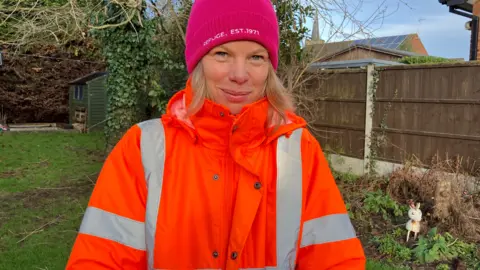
{"points": [[236, 73]]}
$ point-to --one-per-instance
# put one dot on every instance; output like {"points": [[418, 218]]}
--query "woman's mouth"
{"points": [[235, 96]]}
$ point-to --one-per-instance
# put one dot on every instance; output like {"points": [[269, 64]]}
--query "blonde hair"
{"points": [[277, 95]]}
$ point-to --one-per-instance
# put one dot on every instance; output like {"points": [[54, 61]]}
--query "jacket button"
{"points": [[258, 185], [215, 177], [235, 128], [222, 114], [215, 254], [234, 255]]}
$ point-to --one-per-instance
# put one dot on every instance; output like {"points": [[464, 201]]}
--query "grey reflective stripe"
{"points": [[289, 198], [327, 229], [260, 268], [106, 225], [152, 146]]}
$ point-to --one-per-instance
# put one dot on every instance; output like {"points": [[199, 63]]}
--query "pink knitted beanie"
{"points": [[214, 22]]}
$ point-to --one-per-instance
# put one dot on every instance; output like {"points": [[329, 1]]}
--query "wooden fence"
{"points": [[403, 111]]}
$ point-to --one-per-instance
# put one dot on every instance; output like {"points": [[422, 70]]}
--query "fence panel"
{"points": [[428, 110], [340, 111]]}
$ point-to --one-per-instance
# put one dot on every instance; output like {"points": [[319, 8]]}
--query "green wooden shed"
{"points": [[88, 101]]}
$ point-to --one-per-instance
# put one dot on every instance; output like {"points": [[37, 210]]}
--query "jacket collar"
{"points": [[216, 128]]}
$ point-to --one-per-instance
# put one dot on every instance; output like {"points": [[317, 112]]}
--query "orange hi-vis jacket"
{"points": [[216, 191]]}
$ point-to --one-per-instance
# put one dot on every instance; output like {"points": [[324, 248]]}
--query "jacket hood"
{"points": [[214, 126]]}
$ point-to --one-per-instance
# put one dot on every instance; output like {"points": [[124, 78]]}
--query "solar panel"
{"points": [[360, 41], [403, 37], [384, 40], [392, 46], [395, 38], [399, 40], [390, 42], [377, 41]]}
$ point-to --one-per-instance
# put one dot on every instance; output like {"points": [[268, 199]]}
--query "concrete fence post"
{"points": [[369, 107]]}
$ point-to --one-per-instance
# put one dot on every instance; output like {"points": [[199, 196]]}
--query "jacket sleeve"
{"points": [[112, 234], [328, 239]]}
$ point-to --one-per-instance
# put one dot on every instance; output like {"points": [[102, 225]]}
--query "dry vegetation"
{"points": [[450, 197], [450, 227], [34, 88]]}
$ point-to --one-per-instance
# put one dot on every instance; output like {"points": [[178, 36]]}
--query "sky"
{"points": [[442, 33]]}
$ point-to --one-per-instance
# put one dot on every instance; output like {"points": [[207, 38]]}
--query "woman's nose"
{"points": [[238, 71]]}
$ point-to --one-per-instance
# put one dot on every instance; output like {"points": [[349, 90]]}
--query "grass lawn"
{"points": [[375, 265], [45, 183]]}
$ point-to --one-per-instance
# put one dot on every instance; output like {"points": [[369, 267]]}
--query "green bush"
{"points": [[378, 202], [435, 247], [410, 60]]}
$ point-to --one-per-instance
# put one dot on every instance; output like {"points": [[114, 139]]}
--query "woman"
{"points": [[229, 177]]}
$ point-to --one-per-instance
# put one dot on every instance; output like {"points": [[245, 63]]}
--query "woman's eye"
{"points": [[257, 57], [221, 54]]}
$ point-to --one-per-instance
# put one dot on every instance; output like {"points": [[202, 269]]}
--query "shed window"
{"points": [[78, 92]]}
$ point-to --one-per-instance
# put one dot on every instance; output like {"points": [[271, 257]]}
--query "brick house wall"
{"points": [[417, 45]]}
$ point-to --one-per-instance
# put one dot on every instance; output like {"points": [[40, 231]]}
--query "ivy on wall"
{"points": [[379, 137], [131, 57], [372, 90]]}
